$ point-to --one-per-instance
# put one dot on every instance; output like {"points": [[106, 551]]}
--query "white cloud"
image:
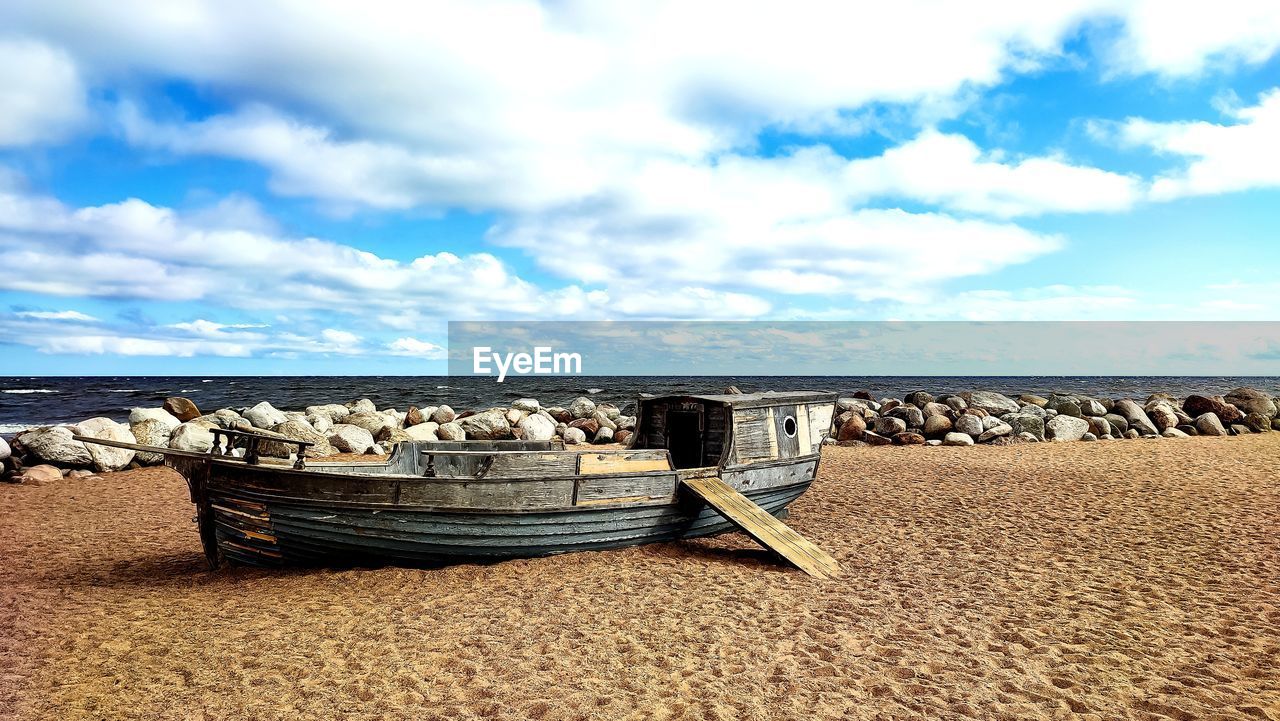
{"points": [[41, 94], [417, 348], [1219, 158], [136, 346], [1183, 38], [56, 315]]}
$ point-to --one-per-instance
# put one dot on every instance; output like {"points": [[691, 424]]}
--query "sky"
{"points": [[316, 188]]}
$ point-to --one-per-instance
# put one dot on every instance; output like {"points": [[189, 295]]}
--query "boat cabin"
{"points": [[702, 431]]}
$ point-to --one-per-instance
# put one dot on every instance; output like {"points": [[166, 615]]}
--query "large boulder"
{"points": [[451, 431], [107, 458], [335, 411], [423, 431], [1208, 424], [1092, 408], [56, 446], [191, 436], [918, 399], [1196, 406], [265, 416], [184, 409], [1257, 422], [957, 439], [1118, 422], [1252, 400], [413, 417], [1064, 405], [913, 416], [852, 429], [1135, 416], [999, 429], [364, 405], [936, 409], [537, 427], [1065, 428], [490, 425], [1025, 423], [528, 405], [372, 422], [443, 415], [604, 421], [574, 437], [588, 426], [1033, 400], [937, 426], [300, 431], [582, 407], [889, 426], [151, 432], [969, 424], [604, 435], [5, 451], [158, 414], [347, 438], [1162, 414], [990, 401]]}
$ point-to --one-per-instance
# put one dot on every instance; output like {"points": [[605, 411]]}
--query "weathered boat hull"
{"points": [[272, 533]]}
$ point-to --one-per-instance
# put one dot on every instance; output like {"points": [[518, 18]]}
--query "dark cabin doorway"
{"points": [[684, 438]]}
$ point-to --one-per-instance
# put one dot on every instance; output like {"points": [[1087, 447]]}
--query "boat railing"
{"points": [[252, 443]]}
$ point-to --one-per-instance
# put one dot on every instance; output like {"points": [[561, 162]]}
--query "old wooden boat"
{"points": [[697, 465]]}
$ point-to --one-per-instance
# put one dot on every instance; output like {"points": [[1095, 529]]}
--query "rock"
{"points": [[1252, 400], [490, 425], [300, 431], [937, 426], [957, 439], [852, 429], [1036, 411], [1065, 428], [968, 424], [55, 445], [918, 399], [395, 416], [451, 431], [910, 414], [582, 407], [1240, 429], [1131, 434], [322, 424], [990, 422], [443, 415], [1161, 413], [1025, 423], [589, 426], [514, 416], [1275, 424], [1208, 424], [537, 428], [107, 458], [1117, 422], [999, 430], [1188, 429], [990, 401], [1173, 433], [604, 435], [158, 414], [39, 475], [1099, 426], [335, 411], [389, 437], [5, 451], [936, 409], [1029, 438], [574, 436], [888, 404], [1137, 418], [372, 422], [1033, 400], [627, 423], [347, 438], [423, 431], [228, 418], [1092, 408], [191, 436], [364, 405], [562, 415], [610, 410], [873, 439], [956, 403], [908, 439], [623, 437], [933, 442], [862, 395], [1088, 437], [1063, 405], [1257, 423], [889, 426], [265, 416], [184, 409], [414, 417], [603, 420]]}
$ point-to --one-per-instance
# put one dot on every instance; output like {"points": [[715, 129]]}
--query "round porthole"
{"points": [[789, 426]]}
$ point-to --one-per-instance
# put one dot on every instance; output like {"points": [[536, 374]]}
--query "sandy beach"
{"points": [[1093, 580]]}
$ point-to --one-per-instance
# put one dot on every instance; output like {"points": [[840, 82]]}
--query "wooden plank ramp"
{"points": [[763, 527]]}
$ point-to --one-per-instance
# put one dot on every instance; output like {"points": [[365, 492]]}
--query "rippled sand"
{"points": [[1136, 579]]}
